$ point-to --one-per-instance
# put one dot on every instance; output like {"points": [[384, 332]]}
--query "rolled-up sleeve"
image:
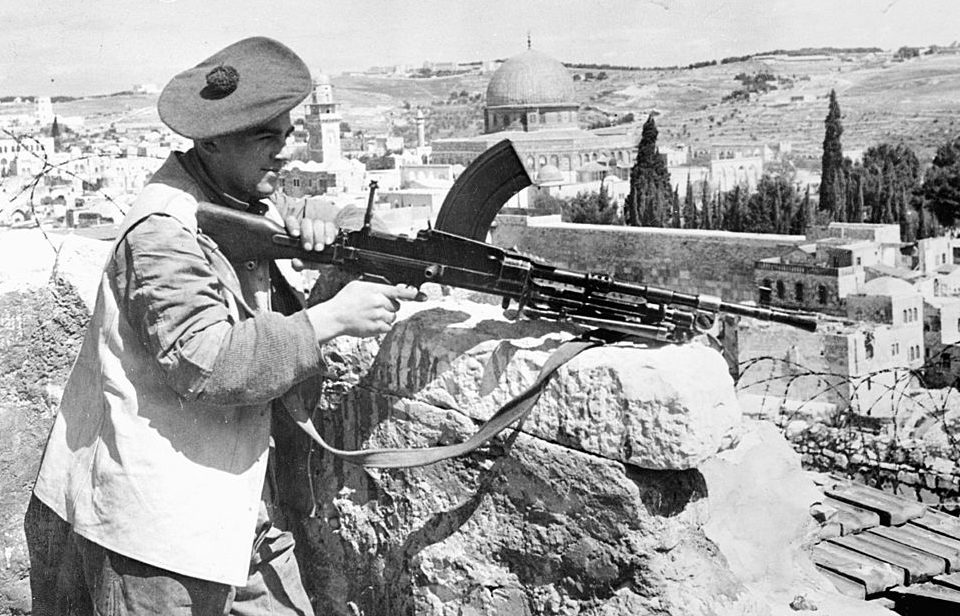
{"points": [[174, 301]]}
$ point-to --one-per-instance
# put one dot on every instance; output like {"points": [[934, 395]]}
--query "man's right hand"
{"points": [[360, 309]]}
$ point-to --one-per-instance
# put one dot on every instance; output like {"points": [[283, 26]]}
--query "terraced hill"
{"points": [[916, 102]]}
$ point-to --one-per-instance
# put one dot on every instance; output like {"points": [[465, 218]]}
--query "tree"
{"points": [[689, 207], [55, 134], [650, 190], [675, 221], [889, 177], [735, 216], [594, 208], [706, 217], [941, 184], [804, 215], [831, 176]]}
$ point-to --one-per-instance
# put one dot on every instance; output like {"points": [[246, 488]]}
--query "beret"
{"points": [[241, 86]]}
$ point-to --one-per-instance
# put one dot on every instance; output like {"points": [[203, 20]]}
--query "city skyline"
{"points": [[79, 47]]}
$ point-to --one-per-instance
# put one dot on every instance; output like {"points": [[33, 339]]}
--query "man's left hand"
{"points": [[314, 234]]}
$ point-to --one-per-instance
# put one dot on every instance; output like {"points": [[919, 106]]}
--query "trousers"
{"points": [[71, 576]]}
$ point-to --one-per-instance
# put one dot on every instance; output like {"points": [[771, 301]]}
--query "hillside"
{"points": [[916, 101]]}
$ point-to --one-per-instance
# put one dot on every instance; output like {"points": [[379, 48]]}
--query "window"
{"points": [[781, 291], [822, 294], [906, 316], [895, 349], [798, 291], [945, 361]]}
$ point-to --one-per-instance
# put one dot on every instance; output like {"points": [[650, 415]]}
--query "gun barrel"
{"points": [[592, 284]]}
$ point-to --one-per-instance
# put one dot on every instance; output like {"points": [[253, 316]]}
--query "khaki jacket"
{"points": [[137, 468]]}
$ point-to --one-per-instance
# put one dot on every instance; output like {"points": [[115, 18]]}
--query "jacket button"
{"points": [[250, 265]]}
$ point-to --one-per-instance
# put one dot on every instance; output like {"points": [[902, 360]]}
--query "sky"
{"points": [[81, 47]]}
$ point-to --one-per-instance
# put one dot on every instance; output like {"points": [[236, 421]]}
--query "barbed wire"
{"points": [[898, 397], [48, 168]]}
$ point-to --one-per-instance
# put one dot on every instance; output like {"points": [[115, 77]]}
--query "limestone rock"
{"points": [[40, 332], [666, 407], [80, 262], [759, 518], [550, 520], [28, 260]]}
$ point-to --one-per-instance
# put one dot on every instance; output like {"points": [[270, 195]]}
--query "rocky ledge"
{"points": [[634, 486]]}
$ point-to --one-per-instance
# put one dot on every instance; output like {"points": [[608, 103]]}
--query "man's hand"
{"points": [[314, 234], [360, 309]]}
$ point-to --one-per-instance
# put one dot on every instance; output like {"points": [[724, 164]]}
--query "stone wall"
{"points": [[690, 261], [915, 470]]}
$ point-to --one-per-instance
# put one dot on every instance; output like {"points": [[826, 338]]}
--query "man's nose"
{"points": [[285, 153]]}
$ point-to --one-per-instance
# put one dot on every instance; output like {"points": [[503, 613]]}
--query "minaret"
{"points": [[322, 121], [44, 111]]}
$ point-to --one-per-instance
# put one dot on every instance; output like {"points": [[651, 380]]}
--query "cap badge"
{"points": [[221, 82]]}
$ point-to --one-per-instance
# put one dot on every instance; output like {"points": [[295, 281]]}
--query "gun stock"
{"points": [[245, 237]]}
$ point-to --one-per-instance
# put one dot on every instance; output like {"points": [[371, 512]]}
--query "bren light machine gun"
{"points": [[454, 253]]}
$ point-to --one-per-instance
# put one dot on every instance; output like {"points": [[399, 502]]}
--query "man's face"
{"points": [[247, 165]]}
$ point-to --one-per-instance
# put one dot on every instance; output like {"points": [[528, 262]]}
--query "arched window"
{"points": [[781, 291], [798, 291], [822, 294]]}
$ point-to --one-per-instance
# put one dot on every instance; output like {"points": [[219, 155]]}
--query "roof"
{"points": [[888, 286], [549, 173], [530, 78], [874, 544], [893, 272]]}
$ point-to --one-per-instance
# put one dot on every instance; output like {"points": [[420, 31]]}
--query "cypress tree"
{"points": [[831, 171], [706, 220], [777, 214], [650, 180], [689, 208], [675, 219]]}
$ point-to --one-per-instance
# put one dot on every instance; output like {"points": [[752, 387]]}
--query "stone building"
{"points": [[941, 335], [24, 155], [531, 101], [899, 305], [324, 170], [843, 366]]}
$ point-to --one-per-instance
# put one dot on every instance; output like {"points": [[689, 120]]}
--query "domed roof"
{"points": [[888, 285], [530, 78], [549, 173]]}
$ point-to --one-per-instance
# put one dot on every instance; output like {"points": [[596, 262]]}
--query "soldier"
{"points": [[149, 495]]}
